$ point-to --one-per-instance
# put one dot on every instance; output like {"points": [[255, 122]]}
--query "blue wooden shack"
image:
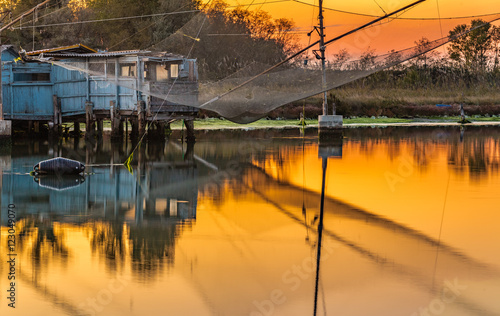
{"points": [[43, 86]]}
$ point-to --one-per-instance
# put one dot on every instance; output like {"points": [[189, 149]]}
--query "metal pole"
{"points": [[322, 49]]}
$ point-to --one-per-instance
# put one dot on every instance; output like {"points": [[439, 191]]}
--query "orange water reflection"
{"points": [[389, 248]]}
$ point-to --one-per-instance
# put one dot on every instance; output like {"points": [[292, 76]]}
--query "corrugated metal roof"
{"points": [[6, 47], [96, 55], [77, 48]]}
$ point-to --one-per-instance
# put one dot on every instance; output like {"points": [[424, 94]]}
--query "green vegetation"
{"points": [[214, 123], [469, 74], [158, 25]]}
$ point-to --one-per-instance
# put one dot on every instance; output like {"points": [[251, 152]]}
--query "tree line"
{"points": [[224, 39], [470, 60]]}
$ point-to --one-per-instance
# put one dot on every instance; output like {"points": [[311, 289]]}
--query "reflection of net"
{"points": [[246, 92]]}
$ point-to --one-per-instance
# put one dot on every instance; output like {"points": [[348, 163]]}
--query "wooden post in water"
{"points": [[89, 120], [100, 128], [36, 127], [116, 131], [125, 121], [141, 116], [76, 129], [134, 128], [57, 119], [190, 130]]}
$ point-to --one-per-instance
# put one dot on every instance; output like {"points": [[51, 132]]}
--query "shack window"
{"points": [[161, 73], [96, 69], [128, 70], [174, 70], [29, 77], [110, 69]]}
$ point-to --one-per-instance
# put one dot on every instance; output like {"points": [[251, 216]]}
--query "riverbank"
{"points": [[217, 124]]}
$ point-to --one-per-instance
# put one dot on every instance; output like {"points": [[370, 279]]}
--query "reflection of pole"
{"points": [[323, 61], [320, 235]]}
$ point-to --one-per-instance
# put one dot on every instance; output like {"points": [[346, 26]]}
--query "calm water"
{"points": [[230, 226]]}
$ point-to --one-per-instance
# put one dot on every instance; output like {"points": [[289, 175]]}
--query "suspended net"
{"points": [[240, 74]]}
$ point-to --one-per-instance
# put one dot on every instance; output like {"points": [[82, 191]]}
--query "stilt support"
{"points": [[89, 120], [190, 130]]}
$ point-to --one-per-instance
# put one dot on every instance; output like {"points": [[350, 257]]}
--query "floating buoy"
{"points": [[59, 166]]}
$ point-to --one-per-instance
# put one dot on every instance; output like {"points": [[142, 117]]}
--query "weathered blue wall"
{"points": [[28, 88]]}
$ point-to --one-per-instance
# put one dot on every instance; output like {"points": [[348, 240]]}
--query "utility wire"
{"points": [[262, 3], [440, 22], [379, 6], [398, 18], [136, 16], [110, 19]]}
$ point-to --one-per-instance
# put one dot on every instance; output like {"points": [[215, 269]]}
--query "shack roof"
{"points": [[82, 51], [77, 48], [97, 54]]}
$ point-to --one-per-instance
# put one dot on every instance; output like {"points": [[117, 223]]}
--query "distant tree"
{"points": [[495, 37], [367, 59], [229, 40], [470, 50], [340, 59], [426, 57]]}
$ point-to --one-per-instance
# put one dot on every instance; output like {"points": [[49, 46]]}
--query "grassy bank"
{"points": [[213, 123]]}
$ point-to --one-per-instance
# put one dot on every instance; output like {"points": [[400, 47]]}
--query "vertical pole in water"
{"points": [[320, 235], [76, 129], [190, 130], [322, 49], [141, 117], [115, 120], [57, 120], [89, 120]]}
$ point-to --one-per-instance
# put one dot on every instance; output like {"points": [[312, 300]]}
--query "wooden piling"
{"points": [[116, 130], [190, 130], [141, 117], [57, 119], [161, 129], [76, 129], [89, 120], [134, 128], [100, 127]]}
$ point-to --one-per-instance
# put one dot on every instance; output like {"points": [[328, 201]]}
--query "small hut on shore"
{"points": [[79, 84]]}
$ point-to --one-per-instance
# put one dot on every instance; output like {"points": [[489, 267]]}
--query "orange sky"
{"points": [[398, 34]]}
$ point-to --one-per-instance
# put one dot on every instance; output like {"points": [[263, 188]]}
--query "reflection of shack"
{"points": [[169, 190], [137, 86], [173, 191]]}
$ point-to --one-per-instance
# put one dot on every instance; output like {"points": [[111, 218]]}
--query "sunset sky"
{"points": [[398, 34]]}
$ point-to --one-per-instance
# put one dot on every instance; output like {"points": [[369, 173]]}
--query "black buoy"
{"points": [[59, 166]]}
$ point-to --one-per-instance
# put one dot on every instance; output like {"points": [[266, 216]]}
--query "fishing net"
{"points": [[236, 72]]}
